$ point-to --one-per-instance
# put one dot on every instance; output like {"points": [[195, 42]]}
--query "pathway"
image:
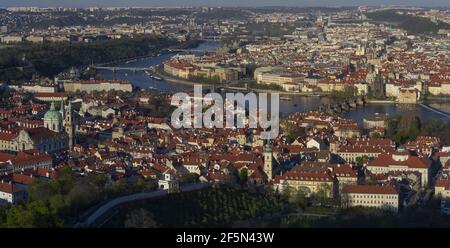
{"points": [[129, 198]]}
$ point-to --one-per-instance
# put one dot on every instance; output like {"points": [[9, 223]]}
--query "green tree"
{"points": [[300, 200], [361, 159], [243, 176], [140, 218]]}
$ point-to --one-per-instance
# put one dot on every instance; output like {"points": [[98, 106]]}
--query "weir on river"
{"points": [[434, 110]]}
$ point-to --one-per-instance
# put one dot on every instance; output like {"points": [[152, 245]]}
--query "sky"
{"points": [[150, 3]]}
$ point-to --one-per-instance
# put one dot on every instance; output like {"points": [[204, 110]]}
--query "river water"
{"points": [[296, 104]]}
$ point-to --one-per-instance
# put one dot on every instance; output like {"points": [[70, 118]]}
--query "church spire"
{"points": [[61, 109], [52, 106], [69, 124], [268, 161]]}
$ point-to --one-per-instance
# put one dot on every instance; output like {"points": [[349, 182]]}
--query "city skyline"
{"points": [[245, 117], [214, 3]]}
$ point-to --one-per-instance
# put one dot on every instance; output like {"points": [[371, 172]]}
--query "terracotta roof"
{"points": [[369, 189], [24, 158], [7, 136], [6, 156], [23, 179], [306, 176], [8, 188], [385, 160], [40, 133], [443, 183], [44, 94]]}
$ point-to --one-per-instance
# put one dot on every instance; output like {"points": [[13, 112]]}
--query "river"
{"points": [[296, 104]]}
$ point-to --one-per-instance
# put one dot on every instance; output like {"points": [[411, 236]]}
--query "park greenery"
{"points": [[403, 128], [408, 126], [157, 107], [50, 58], [252, 84], [347, 93], [218, 206], [213, 207], [360, 217], [292, 132], [205, 80], [412, 24], [61, 202]]}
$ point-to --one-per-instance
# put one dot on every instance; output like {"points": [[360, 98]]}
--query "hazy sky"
{"points": [[113, 3]]}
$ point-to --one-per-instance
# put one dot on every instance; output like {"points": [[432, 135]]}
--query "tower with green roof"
{"points": [[268, 161], [53, 119]]}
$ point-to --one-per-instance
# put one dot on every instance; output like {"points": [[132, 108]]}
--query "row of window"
{"points": [[375, 196], [372, 202], [381, 205]]}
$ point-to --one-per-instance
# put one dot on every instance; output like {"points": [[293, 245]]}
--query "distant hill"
{"points": [[412, 24]]}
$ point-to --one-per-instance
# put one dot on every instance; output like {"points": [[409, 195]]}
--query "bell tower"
{"points": [[268, 161], [69, 125]]}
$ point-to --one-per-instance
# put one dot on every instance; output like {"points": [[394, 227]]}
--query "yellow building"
{"points": [[407, 95], [383, 197], [442, 188], [97, 85], [305, 181], [186, 70], [278, 79]]}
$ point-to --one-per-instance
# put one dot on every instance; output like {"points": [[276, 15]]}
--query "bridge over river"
{"points": [[123, 68], [437, 111]]}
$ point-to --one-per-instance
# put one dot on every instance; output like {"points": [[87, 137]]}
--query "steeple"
{"points": [[61, 109], [268, 161], [69, 124], [52, 106]]}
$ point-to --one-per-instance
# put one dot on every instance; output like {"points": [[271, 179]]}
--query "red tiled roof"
{"points": [[7, 136], [23, 159], [23, 179], [443, 183], [369, 189], [6, 156], [306, 176], [8, 188], [385, 160], [45, 94]]}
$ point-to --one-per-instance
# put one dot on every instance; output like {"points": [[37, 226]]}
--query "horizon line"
{"points": [[226, 6]]}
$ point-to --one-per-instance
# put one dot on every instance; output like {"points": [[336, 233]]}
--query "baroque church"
{"points": [[58, 133], [61, 121]]}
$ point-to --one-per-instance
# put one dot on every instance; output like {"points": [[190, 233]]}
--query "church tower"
{"points": [[53, 119], [69, 125], [268, 161], [62, 110]]}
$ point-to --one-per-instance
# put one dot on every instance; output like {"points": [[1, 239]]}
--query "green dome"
{"points": [[52, 114], [267, 148]]}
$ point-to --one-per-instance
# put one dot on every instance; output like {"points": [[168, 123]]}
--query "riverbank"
{"points": [[174, 80], [187, 82], [380, 101], [437, 98], [186, 45], [170, 79]]}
